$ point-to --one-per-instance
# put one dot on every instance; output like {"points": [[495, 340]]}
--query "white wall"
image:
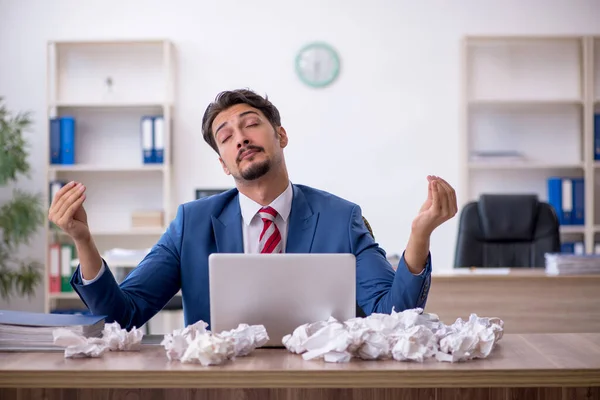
{"points": [[390, 119]]}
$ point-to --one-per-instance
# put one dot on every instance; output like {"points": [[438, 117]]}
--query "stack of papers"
{"points": [[21, 331], [572, 264]]}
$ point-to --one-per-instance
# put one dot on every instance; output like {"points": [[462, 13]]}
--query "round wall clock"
{"points": [[317, 64]]}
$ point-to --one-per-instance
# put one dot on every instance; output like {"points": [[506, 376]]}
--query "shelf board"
{"points": [[521, 165], [524, 102], [128, 232], [112, 263], [111, 42], [572, 229], [64, 295], [107, 168], [596, 228], [108, 104]]}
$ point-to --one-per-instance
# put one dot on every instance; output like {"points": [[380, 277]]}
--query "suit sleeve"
{"points": [[145, 291], [378, 287]]}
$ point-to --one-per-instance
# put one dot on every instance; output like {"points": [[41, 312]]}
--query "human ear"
{"points": [[282, 136]]}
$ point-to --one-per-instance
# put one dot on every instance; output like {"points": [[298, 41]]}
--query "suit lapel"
{"points": [[228, 228], [302, 224]]}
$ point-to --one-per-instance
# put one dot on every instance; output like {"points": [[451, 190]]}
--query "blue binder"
{"points": [[578, 214], [597, 136], [555, 197], [147, 139], [55, 152], [27, 318], [67, 139], [567, 247], [158, 142]]}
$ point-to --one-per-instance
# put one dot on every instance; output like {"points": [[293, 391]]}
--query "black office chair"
{"points": [[506, 230]]}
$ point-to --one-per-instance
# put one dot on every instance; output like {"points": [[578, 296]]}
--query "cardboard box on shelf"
{"points": [[147, 219]]}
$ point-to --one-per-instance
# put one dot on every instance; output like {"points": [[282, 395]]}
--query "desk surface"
{"points": [[519, 360], [528, 300], [499, 273]]}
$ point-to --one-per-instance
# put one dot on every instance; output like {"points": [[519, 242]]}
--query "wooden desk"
{"points": [[527, 300], [553, 366]]}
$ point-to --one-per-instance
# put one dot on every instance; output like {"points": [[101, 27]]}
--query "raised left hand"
{"points": [[439, 207]]}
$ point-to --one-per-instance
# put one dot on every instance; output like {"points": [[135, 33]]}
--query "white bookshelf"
{"points": [[522, 93], [107, 86]]}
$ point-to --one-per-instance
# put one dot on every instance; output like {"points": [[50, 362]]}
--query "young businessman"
{"points": [[265, 213]]}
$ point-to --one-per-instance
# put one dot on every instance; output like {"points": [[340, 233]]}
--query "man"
{"points": [[265, 213]]}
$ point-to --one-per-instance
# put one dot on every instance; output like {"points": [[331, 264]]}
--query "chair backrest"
{"points": [[368, 227], [359, 312], [506, 230]]}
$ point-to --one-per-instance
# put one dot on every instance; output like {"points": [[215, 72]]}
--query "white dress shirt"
{"points": [[252, 224]]}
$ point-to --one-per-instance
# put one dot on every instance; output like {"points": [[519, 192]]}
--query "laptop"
{"points": [[280, 291]]}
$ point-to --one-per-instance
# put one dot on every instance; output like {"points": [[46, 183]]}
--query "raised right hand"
{"points": [[67, 212]]}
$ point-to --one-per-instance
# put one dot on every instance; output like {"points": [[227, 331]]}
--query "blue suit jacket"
{"points": [[318, 223]]}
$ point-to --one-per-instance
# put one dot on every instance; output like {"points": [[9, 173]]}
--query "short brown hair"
{"points": [[229, 98]]}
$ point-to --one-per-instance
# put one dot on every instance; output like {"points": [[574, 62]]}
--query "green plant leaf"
{"points": [[7, 278], [28, 277], [13, 146], [20, 218]]}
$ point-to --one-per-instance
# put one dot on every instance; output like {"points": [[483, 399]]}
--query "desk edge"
{"points": [[306, 379]]}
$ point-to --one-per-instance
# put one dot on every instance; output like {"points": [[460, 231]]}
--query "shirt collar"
{"points": [[282, 204]]}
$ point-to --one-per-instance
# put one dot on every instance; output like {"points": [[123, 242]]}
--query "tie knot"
{"points": [[267, 213]]}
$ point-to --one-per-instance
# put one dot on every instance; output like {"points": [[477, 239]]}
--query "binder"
{"points": [[55, 186], [578, 215], [567, 201], [577, 248], [67, 140], [555, 197], [66, 256], [567, 197], [147, 133], [82, 324], [55, 148], [597, 136], [159, 140], [567, 247], [22, 330], [54, 270]]}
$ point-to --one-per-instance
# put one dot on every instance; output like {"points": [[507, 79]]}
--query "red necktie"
{"points": [[270, 237]]}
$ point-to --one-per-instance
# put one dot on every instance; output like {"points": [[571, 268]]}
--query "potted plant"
{"points": [[22, 214]]}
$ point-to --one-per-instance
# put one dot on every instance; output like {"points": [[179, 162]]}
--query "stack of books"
{"points": [[22, 331], [572, 264]]}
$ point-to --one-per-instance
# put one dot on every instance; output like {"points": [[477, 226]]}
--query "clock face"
{"points": [[317, 64]]}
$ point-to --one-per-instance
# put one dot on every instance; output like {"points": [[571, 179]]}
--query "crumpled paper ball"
{"points": [[78, 346], [121, 339], [114, 338], [410, 335], [196, 344]]}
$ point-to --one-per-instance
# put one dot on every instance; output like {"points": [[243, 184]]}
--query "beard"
{"points": [[256, 170]]}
